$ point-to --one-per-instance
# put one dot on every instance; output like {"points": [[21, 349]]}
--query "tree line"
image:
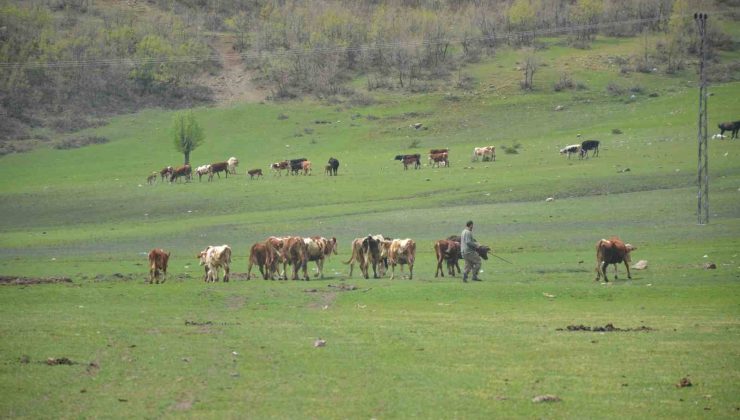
{"points": [[65, 58]]}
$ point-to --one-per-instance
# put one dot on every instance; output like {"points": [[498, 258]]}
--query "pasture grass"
{"points": [[428, 347]]}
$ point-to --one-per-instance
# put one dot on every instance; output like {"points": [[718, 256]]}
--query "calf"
{"points": [[184, 171], [158, 259], [254, 172], [263, 256], [447, 251], [407, 160], [152, 178], [306, 166], [277, 167], [573, 149], [589, 145], [218, 167], [166, 172], [402, 251], [734, 127], [612, 251], [213, 259]]}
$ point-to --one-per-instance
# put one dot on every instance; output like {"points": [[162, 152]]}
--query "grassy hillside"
{"points": [[428, 347]]}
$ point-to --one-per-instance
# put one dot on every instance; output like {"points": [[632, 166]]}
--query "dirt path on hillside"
{"points": [[234, 83]]}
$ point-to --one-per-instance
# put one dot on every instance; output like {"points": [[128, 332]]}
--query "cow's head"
{"points": [[202, 256], [483, 251]]}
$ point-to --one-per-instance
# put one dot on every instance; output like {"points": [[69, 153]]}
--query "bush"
{"points": [[512, 150], [282, 116], [615, 89], [414, 144], [565, 82], [77, 142], [616, 131]]}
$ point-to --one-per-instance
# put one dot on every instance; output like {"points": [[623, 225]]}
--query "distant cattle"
{"points": [[612, 251], [278, 167], [589, 145], [438, 151], [400, 252], [296, 165], [254, 173], [484, 153], [202, 170], [232, 163], [262, 255], [333, 166], [152, 178], [182, 171], [573, 149], [734, 127], [408, 160], [158, 259], [213, 259], [166, 172], [319, 249], [218, 167], [295, 254], [438, 159]]}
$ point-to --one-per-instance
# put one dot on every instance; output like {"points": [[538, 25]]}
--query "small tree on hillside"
{"points": [[186, 133]]}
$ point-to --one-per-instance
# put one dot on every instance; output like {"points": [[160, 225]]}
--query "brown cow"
{"points": [[277, 167], [218, 167], [158, 259], [166, 172], [306, 166], [449, 251], [184, 171], [438, 158], [263, 256], [295, 254], [254, 172], [612, 251]]}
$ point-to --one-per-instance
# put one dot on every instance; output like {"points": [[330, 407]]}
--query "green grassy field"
{"points": [[429, 347]]}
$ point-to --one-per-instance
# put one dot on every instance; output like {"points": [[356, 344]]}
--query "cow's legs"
{"points": [[249, 270], [627, 266], [226, 273], [411, 271]]}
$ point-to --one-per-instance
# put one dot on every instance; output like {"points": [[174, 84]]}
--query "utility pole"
{"points": [[703, 175]]}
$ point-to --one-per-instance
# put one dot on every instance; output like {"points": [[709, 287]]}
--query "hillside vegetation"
{"points": [[100, 341]]}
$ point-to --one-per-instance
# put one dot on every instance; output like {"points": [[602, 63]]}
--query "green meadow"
{"points": [[428, 347]]}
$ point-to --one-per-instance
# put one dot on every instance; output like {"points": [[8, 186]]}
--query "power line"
{"points": [[252, 55]]}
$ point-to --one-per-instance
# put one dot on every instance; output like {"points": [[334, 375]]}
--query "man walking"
{"points": [[468, 249]]}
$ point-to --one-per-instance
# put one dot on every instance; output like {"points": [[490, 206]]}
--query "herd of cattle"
{"points": [[273, 256]]}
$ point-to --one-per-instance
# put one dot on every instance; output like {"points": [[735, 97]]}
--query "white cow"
{"points": [[215, 258], [486, 152], [573, 149], [233, 163], [202, 170], [402, 251], [319, 249]]}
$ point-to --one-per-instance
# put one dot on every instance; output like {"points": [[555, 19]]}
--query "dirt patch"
{"points": [[22, 281], [210, 323], [606, 328], [234, 82], [53, 361]]}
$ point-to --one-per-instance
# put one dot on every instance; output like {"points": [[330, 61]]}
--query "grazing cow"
{"points": [[318, 249], [202, 170], [439, 158], [254, 173], [152, 178], [438, 151], [214, 258], [333, 166], [184, 171], [589, 145], [485, 152], [410, 159], [306, 166], [263, 255], [571, 150], [158, 259], [402, 251], [612, 251], [166, 172], [448, 251], [218, 167], [296, 165], [277, 167], [734, 127], [232, 164], [295, 254]]}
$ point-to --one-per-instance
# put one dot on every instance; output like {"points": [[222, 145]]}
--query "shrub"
{"points": [[513, 149], [414, 144], [565, 82], [282, 116], [616, 131], [615, 89]]}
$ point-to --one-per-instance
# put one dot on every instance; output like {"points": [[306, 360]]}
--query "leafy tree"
{"points": [[186, 133], [522, 19], [586, 13]]}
